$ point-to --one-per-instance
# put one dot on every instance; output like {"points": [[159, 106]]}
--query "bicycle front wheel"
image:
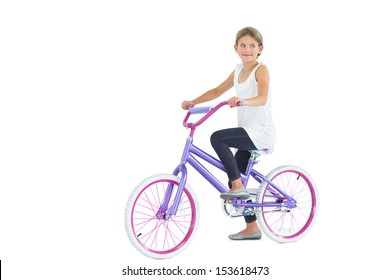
{"points": [[152, 234], [282, 224]]}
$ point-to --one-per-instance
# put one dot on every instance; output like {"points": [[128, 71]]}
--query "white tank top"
{"points": [[257, 121]]}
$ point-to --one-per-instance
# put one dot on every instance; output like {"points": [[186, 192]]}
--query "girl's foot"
{"points": [[243, 194], [242, 236]]}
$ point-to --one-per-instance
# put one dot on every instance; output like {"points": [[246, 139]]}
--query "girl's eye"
{"points": [[242, 45], [253, 46]]}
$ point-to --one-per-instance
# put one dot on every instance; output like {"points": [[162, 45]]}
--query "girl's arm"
{"points": [[262, 78], [212, 93]]}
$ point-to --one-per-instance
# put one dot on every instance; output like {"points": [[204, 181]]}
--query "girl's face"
{"points": [[248, 48]]}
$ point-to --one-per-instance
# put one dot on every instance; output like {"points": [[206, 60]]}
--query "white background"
{"points": [[90, 106]]}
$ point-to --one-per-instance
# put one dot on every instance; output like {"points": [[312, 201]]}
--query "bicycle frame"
{"points": [[189, 156]]}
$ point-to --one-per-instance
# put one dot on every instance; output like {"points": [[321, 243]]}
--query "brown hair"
{"points": [[253, 32]]}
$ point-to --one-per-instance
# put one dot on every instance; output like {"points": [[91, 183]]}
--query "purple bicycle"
{"points": [[162, 213]]}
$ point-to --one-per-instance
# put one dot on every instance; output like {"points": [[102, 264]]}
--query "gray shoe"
{"points": [[243, 194], [237, 236]]}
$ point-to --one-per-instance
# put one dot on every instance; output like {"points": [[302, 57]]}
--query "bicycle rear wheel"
{"points": [[282, 224], [152, 234]]}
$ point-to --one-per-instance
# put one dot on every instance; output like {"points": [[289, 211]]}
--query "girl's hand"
{"points": [[233, 102], [185, 105]]}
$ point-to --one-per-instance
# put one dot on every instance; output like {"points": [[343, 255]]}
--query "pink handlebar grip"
{"points": [[200, 110]]}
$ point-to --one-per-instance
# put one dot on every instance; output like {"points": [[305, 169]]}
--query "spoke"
{"points": [[293, 193], [148, 201], [173, 236], [145, 223], [140, 205], [154, 197], [155, 236], [158, 224], [159, 201], [304, 212], [277, 220], [166, 237], [142, 213]]}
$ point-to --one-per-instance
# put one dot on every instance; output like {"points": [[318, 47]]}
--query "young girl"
{"points": [[255, 129]]}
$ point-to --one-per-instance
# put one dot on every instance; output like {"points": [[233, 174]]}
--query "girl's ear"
{"points": [[235, 48], [260, 50]]}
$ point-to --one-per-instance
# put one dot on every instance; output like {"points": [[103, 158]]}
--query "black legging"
{"points": [[222, 141], [242, 158]]}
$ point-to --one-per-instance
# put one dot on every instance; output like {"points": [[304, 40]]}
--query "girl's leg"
{"points": [[242, 158], [222, 141]]}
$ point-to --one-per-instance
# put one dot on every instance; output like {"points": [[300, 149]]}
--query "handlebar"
{"points": [[208, 111]]}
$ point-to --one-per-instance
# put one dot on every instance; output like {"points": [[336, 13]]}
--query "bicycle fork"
{"points": [[164, 212]]}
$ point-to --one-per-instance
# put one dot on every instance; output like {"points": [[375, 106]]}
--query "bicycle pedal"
{"points": [[236, 200]]}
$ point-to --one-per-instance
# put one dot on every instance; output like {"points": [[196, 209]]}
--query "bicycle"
{"points": [[162, 213]]}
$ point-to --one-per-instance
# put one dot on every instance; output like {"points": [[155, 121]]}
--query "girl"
{"points": [[255, 129]]}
